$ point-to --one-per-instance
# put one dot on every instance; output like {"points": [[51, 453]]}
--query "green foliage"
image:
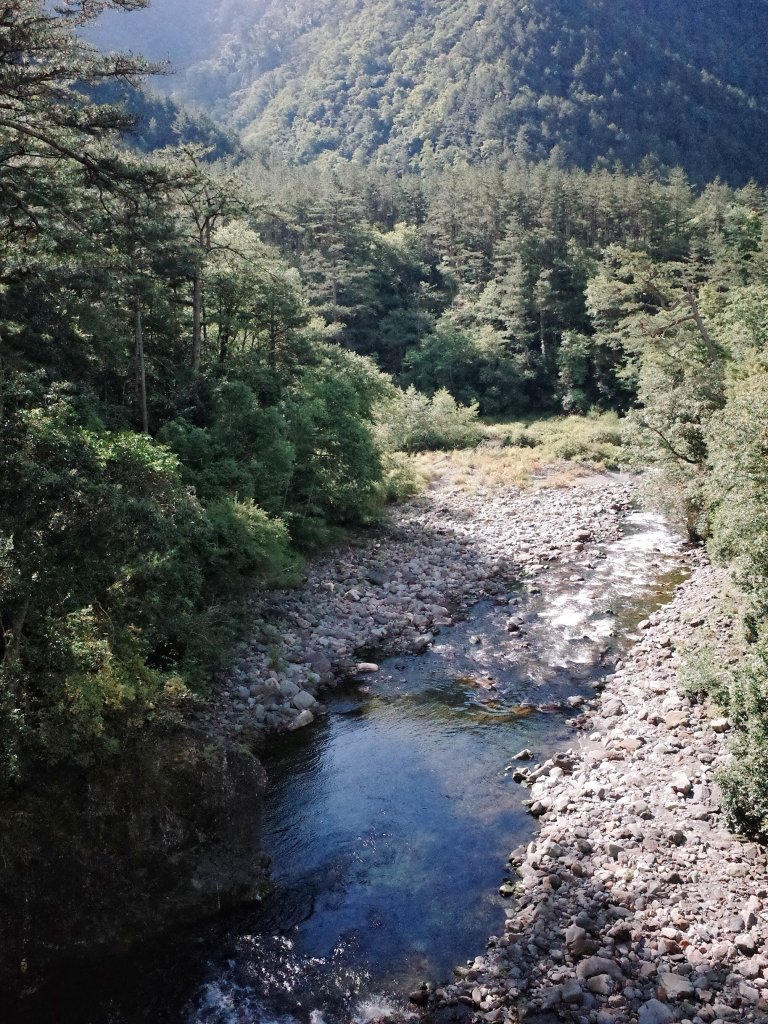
{"points": [[409, 85], [702, 675], [188, 392], [157, 122], [745, 782], [520, 437], [174, 425], [338, 464], [400, 479], [597, 438], [694, 334], [510, 289], [412, 422], [90, 518], [745, 786]]}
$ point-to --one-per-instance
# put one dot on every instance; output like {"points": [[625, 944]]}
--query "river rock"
{"points": [[595, 965], [577, 942], [420, 997], [365, 668], [304, 701], [601, 984], [674, 986], [746, 944], [571, 992], [655, 1012], [680, 783], [304, 718]]}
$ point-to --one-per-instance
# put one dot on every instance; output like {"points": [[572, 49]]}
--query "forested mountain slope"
{"points": [[404, 80]]}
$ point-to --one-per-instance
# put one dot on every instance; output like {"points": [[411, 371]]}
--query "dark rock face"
{"points": [[92, 863]]}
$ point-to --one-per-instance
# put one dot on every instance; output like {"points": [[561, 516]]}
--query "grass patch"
{"points": [[595, 439], [553, 451]]}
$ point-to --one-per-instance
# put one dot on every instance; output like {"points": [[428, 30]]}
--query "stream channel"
{"points": [[389, 821]]}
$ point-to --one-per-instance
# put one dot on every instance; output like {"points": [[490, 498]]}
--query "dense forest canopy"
{"points": [[194, 356], [175, 423], [405, 83]]}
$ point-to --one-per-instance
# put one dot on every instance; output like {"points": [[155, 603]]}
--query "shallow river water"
{"points": [[389, 821]]}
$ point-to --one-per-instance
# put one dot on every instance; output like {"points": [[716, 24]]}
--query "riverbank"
{"points": [[634, 904], [391, 592], [553, 560], [388, 591]]}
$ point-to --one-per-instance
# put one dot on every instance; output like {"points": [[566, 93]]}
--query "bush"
{"points": [[743, 695], [114, 579], [89, 518], [400, 479], [745, 788], [703, 676], [412, 422], [520, 437], [596, 438], [337, 472]]}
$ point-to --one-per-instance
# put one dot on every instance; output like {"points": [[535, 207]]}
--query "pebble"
{"points": [[365, 668]]}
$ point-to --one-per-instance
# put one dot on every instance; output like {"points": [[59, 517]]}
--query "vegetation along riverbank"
{"points": [[288, 382]]}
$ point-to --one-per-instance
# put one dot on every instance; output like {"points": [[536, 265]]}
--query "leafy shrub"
{"points": [[337, 472], [242, 538], [744, 785], [745, 782], [595, 438], [702, 675], [412, 422], [520, 437], [742, 694], [478, 366], [400, 479], [114, 579]]}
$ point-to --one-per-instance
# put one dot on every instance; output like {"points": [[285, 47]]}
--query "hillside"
{"points": [[217, 379], [400, 81]]}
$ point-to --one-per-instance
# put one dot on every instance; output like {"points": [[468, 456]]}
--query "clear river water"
{"points": [[389, 822]]}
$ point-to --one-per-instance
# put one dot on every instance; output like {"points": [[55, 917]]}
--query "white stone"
{"points": [[302, 719], [366, 668]]}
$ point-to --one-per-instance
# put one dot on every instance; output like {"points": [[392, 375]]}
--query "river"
{"points": [[390, 820], [389, 823]]}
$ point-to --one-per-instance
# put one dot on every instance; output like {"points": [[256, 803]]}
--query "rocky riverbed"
{"points": [[394, 590], [634, 904]]}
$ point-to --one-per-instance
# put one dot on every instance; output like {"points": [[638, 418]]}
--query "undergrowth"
{"points": [[553, 451]]}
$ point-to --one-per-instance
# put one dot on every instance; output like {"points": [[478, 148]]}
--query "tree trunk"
{"points": [[223, 340], [197, 317], [141, 372], [543, 339], [2, 379], [13, 642], [706, 337]]}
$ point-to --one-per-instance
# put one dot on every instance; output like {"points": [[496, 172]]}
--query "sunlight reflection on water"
{"points": [[389, 822]]}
